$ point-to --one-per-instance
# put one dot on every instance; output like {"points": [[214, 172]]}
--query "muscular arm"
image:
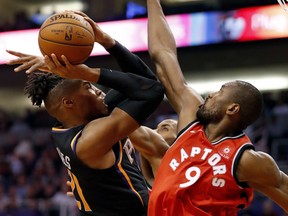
{"points": [[148, 142], [261, 172], [162, 49], [152, 148]]}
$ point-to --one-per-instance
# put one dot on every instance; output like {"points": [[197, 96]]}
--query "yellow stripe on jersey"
{"points": [[72, 184], [73, 140], [126, 175], [60, 129], [75, 182]]}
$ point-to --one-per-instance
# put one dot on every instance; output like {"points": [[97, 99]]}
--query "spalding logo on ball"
{"points": [[66, 34]]}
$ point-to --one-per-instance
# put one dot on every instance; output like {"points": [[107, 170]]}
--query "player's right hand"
{"points": [[29, 62], [67, 70], [101, 37]]}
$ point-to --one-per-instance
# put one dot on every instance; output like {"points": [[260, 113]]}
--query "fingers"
{"points": [[55, 60], [22, 67], [15, 61], [57, 67], [26, 61], [50, 64], [33, 68], [18, 54], [92, 23], [20, 60], [70, 194], [66, 61], [79, 13]]}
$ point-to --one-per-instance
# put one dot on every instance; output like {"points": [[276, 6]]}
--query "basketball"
{"points": [[66, 34]]}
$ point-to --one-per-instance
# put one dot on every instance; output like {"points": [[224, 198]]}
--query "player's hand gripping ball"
{"points": [[66, 34]]}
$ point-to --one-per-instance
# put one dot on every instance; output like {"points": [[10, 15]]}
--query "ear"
{"points": [[67, 102], [233, 109]]}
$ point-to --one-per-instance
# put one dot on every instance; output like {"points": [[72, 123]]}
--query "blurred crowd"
{"points": [[21, 21], [33, 180]]}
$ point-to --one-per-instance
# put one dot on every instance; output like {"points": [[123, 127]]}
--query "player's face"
{"points": [[90, 101], [168, 130], [214, 107]]}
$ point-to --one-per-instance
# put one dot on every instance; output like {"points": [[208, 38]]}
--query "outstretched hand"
{"points": [[51, 64], [29, 62]]}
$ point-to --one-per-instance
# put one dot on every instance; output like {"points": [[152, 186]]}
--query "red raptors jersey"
{"points": [[197, 177]]}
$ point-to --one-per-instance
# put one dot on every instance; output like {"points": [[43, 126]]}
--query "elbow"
{"points": [[154, 55], [154, 51]]}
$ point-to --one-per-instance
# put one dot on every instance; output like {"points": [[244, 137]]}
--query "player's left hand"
{"points": [[29, 62], [69, 193]]}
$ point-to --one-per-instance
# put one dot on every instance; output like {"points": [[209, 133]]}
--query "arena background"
{"points": [[32, 178]]}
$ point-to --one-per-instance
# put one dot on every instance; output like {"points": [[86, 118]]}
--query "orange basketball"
{"points": [[66, 34]]}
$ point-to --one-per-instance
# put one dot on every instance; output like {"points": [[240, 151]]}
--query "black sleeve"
{"points": [[130, 62], [113, 98], [143, 94]]}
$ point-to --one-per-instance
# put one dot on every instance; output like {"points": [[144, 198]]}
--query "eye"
{"points": [[88, 85], [165, 129]]}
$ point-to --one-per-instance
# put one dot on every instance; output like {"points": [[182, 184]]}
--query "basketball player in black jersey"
{"points": [[91, 137], [152, 144]]}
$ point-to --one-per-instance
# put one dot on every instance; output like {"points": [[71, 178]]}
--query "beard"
{"points": [[207, 116]]}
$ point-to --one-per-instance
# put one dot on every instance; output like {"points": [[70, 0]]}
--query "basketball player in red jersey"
{"points": [[91, 137], [212, 167]]}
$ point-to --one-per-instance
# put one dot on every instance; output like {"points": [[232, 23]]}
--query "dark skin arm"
{"points": [[162, 49], [261, 172], [94, 147], [152, 147]]}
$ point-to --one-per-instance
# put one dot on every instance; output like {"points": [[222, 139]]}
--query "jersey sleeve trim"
{"points": [[236, 162], [190, 125], [74, 141]]}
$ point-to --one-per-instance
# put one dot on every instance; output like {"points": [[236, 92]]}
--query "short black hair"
{"points": [[250, 100], [39, 84]]}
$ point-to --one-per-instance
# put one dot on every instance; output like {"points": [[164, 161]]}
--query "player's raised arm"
{"points": [[162, 49]]}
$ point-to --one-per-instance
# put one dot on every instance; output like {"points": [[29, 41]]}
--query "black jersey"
{"points": [[117, 191]]}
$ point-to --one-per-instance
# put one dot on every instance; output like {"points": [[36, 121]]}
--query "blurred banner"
{"points": [[246, 24]]}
